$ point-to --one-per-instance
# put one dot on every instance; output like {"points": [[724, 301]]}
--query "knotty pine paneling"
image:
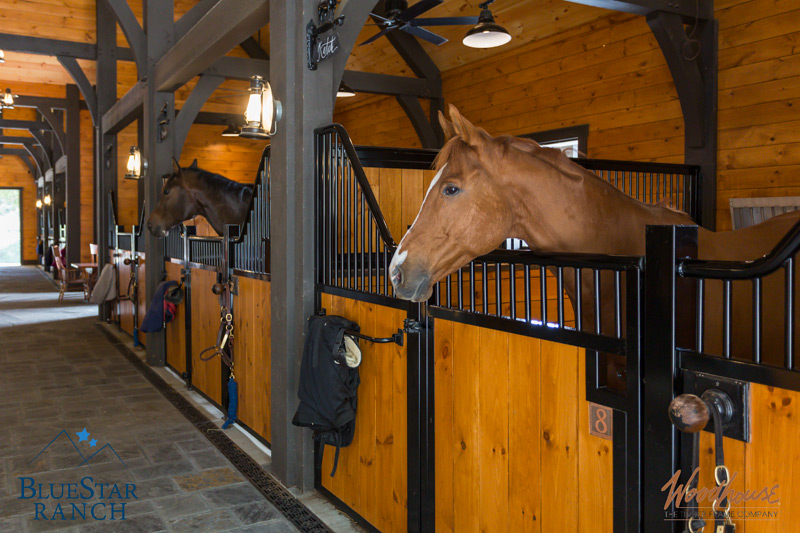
{"points": [[609, 73], [512, 436]]}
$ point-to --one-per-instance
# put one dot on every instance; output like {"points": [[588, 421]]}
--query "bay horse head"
{"points": [[191, 191], [466, 212]]}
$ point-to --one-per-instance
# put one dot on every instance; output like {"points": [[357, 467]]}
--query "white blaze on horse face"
{"points": [[399, 257]]}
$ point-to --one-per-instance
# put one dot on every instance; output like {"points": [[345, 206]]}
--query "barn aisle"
{"points": [[73, 408]]}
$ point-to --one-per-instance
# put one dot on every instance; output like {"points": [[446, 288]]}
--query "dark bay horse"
{"points": [[489, 188], [189, 192]]}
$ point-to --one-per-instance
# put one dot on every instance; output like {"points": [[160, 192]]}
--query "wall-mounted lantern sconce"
{"points": [[2, 57], [38, 203], [47, 200], [136, 166], [263, 111], [345, 91], [8, 100], [232, 130], [487, 33]]}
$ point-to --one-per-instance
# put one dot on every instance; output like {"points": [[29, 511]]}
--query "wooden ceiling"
{"points": [[74, 20]]}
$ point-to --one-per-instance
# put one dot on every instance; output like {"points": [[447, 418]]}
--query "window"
{"points": [[573, 139]]}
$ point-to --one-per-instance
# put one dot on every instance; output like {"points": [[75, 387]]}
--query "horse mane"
{"points": [[223, 184], [552, 157]]}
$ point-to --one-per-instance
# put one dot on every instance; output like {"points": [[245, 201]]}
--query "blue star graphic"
{"points": [[83, 435], [92, 443]]}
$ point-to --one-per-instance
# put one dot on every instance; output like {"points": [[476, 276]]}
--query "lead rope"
{"points": [[722, 516]]}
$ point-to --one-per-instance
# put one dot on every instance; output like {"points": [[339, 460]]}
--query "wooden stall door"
{"points": [[512, 436], [206, 375], [176, 330], [252, 354], [770, 461], [372, 474]]}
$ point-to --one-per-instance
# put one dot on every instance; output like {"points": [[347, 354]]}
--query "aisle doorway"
{"points": [[10, 226]]}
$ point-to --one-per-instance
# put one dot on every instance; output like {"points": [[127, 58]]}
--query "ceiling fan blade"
{"points": [[445, 21], [377, 36], [382, 18], [424, 34], [418, 9]]}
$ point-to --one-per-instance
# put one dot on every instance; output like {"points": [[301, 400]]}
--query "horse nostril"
{"points": [[397, 276], [149, 225]]}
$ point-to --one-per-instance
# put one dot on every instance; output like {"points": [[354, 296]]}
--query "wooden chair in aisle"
{"points": [[69, 279]]}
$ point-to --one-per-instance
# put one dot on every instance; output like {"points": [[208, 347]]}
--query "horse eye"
{"points": [[166, 191], [451, 190]]}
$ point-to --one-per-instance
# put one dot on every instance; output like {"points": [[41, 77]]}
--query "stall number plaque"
{"points": [[600, 421]]}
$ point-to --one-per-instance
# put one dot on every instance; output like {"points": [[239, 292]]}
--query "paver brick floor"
{"points": [[62, 382]]}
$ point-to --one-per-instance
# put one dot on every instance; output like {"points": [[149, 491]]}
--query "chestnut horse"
{"points": [[189, 192], [489, 188]]}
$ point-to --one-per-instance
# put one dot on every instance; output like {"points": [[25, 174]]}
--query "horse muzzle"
{"points": [[411, 286]]}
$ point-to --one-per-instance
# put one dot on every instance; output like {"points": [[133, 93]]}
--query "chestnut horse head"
{"points": [[489, 188], [190, 191]]}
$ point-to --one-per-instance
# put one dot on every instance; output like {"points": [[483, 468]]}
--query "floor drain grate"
{"points": [[294, 510]]}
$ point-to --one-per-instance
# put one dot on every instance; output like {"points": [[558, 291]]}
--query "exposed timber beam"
{"points": [[204, 88], [56, 125], [39, 101], [132, 30], [8, 139], [238, 68], [22, 154], [423, 66], [218, 119], [191, 17], [72, 185], [688, 11], [54, 47], [419, 120], [23, 124], [253, 49], [126, 110], [47, 149], [222, 28], [36, 160], [49, 47], [368, 82], [79, 77]]}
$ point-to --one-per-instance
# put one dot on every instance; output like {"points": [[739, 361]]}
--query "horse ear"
{"points": [[194, 164], [176, 167], [468, 132], [447, 127]]}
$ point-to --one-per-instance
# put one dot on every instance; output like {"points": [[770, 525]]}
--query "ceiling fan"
{"points": [[398, 16]]}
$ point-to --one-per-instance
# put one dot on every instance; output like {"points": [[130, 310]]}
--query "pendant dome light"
{"points": [[487, 33]]}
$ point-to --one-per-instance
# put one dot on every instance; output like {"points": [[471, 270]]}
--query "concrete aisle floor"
{"points": [[63, 384]]}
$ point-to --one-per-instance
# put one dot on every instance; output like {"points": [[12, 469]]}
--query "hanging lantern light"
{"points": [[263, 111], [487, 33], [136, 166], [38, 203], [345, 91], [8, 100], [47, 200]]}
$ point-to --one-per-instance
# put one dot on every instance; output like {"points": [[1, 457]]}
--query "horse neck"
{"points": [[561, 213], [203, 197]]}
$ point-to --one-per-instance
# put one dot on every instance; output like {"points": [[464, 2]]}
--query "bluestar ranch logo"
{"points": [[84, 499]]}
